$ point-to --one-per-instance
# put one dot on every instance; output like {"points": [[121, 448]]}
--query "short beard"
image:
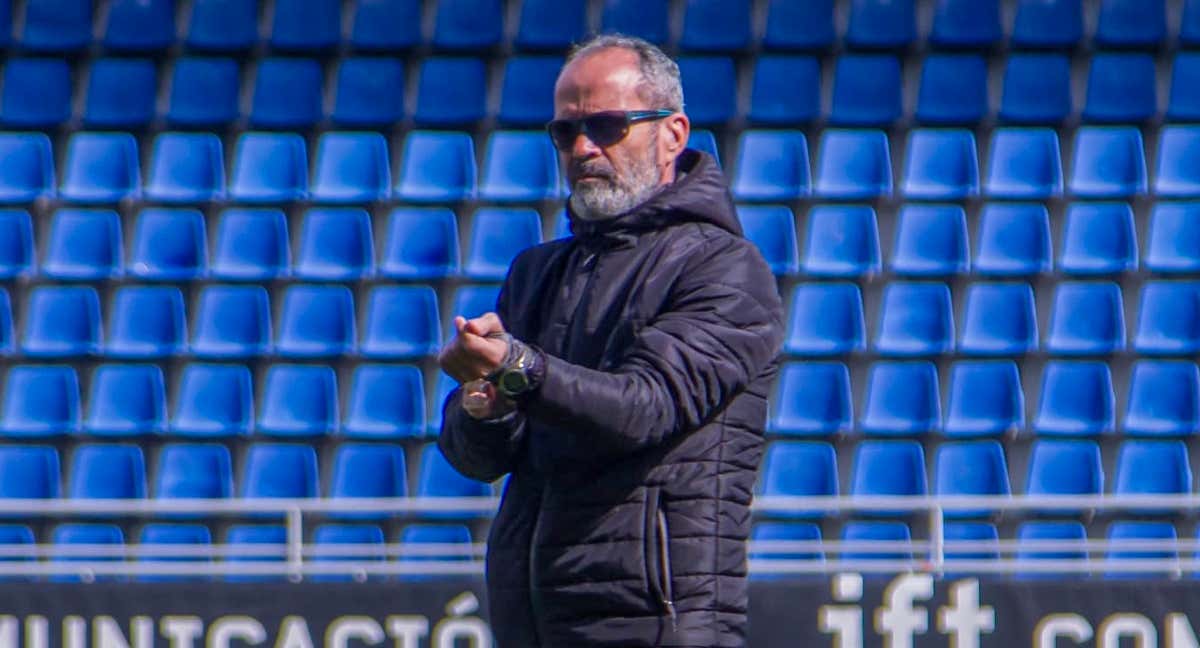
{"points": [[614, 195]]}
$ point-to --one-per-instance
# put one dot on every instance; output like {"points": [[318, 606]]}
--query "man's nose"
{"points": [[584, 147]]}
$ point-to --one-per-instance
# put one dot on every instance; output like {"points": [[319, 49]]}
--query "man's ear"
{"points": [[677, 128]]}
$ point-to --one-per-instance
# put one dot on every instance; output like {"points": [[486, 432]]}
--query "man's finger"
{"points": [[485, 324], [459, 323]]}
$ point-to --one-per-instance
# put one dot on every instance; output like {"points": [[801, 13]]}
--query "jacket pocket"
{"points": [[657, 551]]}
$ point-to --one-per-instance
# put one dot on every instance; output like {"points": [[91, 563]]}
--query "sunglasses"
{"points": [[603, 128]]}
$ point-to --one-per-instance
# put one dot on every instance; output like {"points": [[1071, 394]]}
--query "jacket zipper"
{"points": [[664, 567]]}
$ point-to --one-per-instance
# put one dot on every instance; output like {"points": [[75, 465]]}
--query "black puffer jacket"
{"points": [[625, 518]]}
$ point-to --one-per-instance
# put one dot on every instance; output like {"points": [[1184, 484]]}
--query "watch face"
{"points": [[513, 382]]}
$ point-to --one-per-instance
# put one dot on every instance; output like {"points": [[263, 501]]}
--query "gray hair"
{"points": [[661, 87]]}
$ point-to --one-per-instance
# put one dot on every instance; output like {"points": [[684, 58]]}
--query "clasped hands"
{"points": [[478, 348]]}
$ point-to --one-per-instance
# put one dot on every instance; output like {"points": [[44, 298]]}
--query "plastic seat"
{"points": [[953, 90], [316, 321], [287, 93], [237, 536], [468, 24], [931, 240], [146, 322], [223, 25], [335, 245], [136, 26], [7, 337], [328, 540], [471, 301], [204, 92], [437, 478], [876, 540], [101, 167], [550, 24], [401, 322], [800, 469], [999, 319], [120, 93], [826, 319], [269, 167], [866, 90], [1087, 319], [1064, 467], [36, 93], [29, 472], [251, 245], [646, 20], [351, 168], [1077, 399], [385, 25], [126, 400], [812, 398], [451, 92], [970, 540], [1069, 537], [1013, 240], [1164, 399], [1153, 468], [28, 171], [703, 140], [61, 321], [902, 399], [59, 26], [186, 168], [16, 243], [894, 467], [306, 25], [785, 90], [41, 401], [772, 165], [497, 237], [370, 91], [716, 27], [1183, 99], [420, 244], [784, 532], [971, 468], [84, 244], [1189, 23], [854, 165], [1036, 89], [772, 229], [299, 400], [213, 400], [194, 536], [986, 399], [1098, 238], [368, 470], [881, 23], [941, 165], [442, 388], [1049, 24], [798, 25], [1131, 23], [279, 470], [1178, 146], [710, 84], [1123, 533], [1168, 318], [527, 93], [385, 402], [1024, 164], [231, 322], [519, 167], [1121, 89], [966, 23], [453, 541], [86, 534], [1110, 162], [168, 245], [915, 319], [437, 167], [107, 471]]}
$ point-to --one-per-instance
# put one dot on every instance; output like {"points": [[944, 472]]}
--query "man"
{"points": [[622, 382]]}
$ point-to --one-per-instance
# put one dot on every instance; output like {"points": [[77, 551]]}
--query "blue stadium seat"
{"points": [[710, 85], [641, 18], [28, 170], [451, 92], [41, 401], [953, 90], [139, 26], [812, 398], [468, 24], [1178, 147], [1024, 164], [826, 319], [519, 166], [472, 301], [107, 471], [497, 236], [204, 92], [1123, 533], [421, 243], [799, 25], [1047, 24], [251, 245], [442, 388], [306, 25], [126, 400], [85, 534], [966, 23], [29, 472], [83, 244], [986, 399], [1077, 399], [223, 25], [931, 240], [550, 24], [1168, 318], [786, 90], [101, 167], [1036, 89], [1064, 467], [386, 401], [1153, 467], [16, 243], [1110, 162], [1013, 240], [1164, 399], [453, 541], [146, 322], [335, 245], [61, 321], [279, 470], [298, 400], [716, 26], [385, 25], [916, 319], [1121, 89], [854, 165], [772, 229], [120, 93], [36, 94], [999, 319], [59, 26], [876, 540], [168, 245], [970, 540], [771, 166], [255, 534], [231, 322], [1087, 319], [797, 532], [186, 168], [370, 92], [942, 164], [703, 140], [287, 93], [881, 23], [213, 400], [269, 167], [893, 467], [316, 321], [7, 337], [902, 399], [401, 322], [971, 468], [1189, 24], [193, 536], [1183, 100], [437, 478], [1098, 238], [368, 470], [1070, 535], [866, 90], [799, 469], [527, 93], [329, 546], [1131, 23], [437, 167]]}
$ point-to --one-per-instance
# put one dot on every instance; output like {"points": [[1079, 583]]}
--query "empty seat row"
{"points": [[998, 318], [986, 398]]}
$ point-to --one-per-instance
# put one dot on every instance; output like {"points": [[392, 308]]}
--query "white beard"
{"points": [[611, 196]]}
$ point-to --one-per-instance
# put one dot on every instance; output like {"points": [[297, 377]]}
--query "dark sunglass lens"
{"points": [[564, 132], [606, 129]]}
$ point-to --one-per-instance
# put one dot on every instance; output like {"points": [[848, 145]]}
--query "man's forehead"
{"points": [[609, 75]]}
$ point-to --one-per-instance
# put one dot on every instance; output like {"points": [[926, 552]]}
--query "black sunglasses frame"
{"points": [[587, 125]]}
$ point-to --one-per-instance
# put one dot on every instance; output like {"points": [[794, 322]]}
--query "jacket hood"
{"points": [[699, 194]]}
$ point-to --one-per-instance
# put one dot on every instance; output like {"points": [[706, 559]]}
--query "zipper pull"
{"points": [[671, 613], [589, 261]]}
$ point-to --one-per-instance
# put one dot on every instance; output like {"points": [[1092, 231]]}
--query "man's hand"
{"points": [[476, 350], [480, 400]]}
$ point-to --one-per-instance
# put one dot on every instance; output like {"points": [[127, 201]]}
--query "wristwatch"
{"points": [[517, 375]]}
